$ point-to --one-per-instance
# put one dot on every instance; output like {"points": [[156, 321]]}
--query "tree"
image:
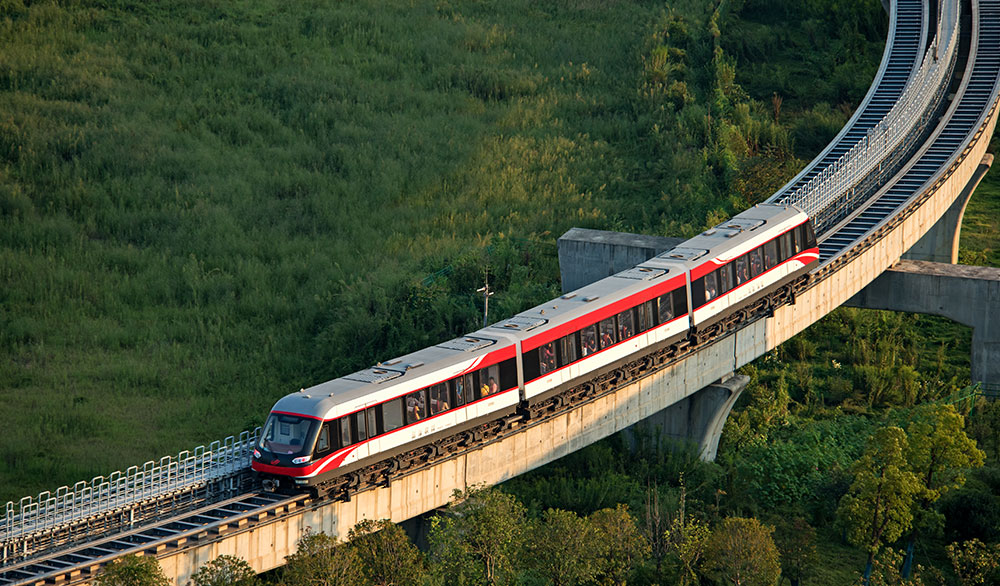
{"points": [[741, 552], [477, 540], [974, 561], [133, 570], [321, 560], [225, 570], [385, 553], [621, 546], [685, 539], [562, 548], [877, 508], [939, 454], [797, 548]]}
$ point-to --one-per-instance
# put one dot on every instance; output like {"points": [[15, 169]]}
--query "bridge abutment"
{"points": [[940, 243]]}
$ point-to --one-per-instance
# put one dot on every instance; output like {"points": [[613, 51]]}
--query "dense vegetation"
{"points": [[204, 206]]}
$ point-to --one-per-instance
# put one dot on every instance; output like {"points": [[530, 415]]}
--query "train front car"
{"points": [[333, 429]]}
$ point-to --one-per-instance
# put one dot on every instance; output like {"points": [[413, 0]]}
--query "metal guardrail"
{"points": [[32, 518], [830, 194]]}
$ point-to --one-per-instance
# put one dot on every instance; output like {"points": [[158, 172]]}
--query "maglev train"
{"points": [[342, 425]]}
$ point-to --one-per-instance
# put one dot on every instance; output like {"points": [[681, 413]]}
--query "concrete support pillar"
{"points": [[697, 419], [940, 243], [586, 255], [969, 295]]}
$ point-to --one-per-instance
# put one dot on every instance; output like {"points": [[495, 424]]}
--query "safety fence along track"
{"points": [[122, 500]]}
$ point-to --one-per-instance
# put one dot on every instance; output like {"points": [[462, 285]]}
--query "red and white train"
{"points": [[344, 424]]}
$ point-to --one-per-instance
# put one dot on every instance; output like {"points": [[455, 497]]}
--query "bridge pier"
{"points": [[697, 419], [966, 294], [940, 243]]}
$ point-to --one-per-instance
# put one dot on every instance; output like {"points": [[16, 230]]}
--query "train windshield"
{"points": [[287, 434]]}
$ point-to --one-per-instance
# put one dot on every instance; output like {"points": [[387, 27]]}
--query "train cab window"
{"points": [[439, 398], [416, 407], [360, 429], [756, 263], [392, 415], [626, 325], [567, 350], [372, 422], [607, 331], [345, 432], [770, 254], [725, 278], [645, 313], [286, 434], [588, 340], [666, 311], [742, 270], [785, 246], [489, 381], [711, 286], [547, 358], [323, 441]]}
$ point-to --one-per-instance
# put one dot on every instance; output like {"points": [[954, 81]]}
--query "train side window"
{"points": [[323, 441], [439, 398], [756, 263], [796, 241], [770, 254], [358, 423], [416, 407], [725, 275], [626, 325], [666, 308], [810, 235], [711, 286], [607, 328], [392, 415], [489, 380], [588, 340], [546, 358], [742, 271], [345, 432], [567, 350], [373, 429], [508, 374], [785, 246], [680, 301], [532, 364], [645, 316]]}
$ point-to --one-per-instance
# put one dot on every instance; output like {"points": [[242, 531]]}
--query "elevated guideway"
{"points": [[263, 531]]}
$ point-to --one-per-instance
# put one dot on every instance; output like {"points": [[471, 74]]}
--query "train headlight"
{"points": [[301, 460], [256, 454]]}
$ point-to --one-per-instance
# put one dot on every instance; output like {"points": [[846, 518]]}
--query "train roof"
{"points": [[595, 301]]}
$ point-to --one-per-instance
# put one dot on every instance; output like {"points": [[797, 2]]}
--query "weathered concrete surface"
{"points": [[940, 244], [591, 255], [966, 294], [697, 419]]}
